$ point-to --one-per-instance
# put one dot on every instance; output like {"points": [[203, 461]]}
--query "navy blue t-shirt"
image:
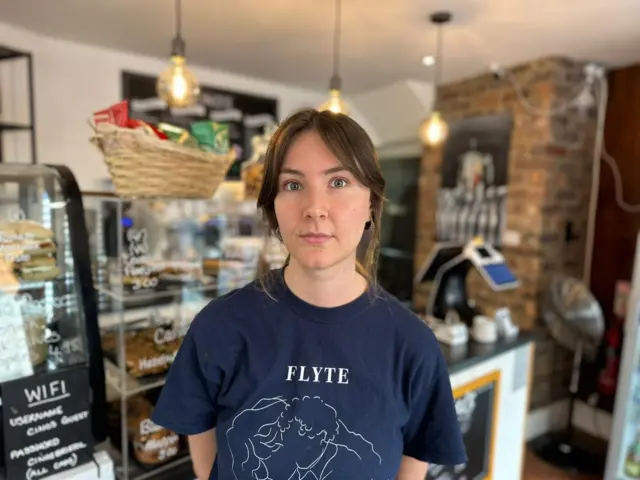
{"points": [[298, 391]]}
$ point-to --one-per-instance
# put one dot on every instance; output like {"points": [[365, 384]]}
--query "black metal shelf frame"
{"points": [[8, 54]]}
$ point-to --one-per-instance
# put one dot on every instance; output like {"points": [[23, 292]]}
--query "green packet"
{"points": [[178, 135], [212, 136]]}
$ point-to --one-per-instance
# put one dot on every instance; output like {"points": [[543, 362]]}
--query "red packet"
{"points": [[117, 114]]}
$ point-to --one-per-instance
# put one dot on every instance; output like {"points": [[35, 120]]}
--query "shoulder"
{"points": [[235, 307], [402, 318], [415, 335]]}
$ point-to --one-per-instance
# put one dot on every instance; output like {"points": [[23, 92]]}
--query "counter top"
{"points": [[464, 356]]}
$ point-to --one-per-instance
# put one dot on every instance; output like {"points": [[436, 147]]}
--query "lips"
{"points": [[315, 238]]}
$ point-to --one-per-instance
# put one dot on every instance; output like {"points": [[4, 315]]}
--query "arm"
{"points": [[187, 404], [412, 469], [203, 448], [432, 433]]}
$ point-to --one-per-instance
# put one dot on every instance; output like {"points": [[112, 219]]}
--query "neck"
{"points": [[333, 287]]}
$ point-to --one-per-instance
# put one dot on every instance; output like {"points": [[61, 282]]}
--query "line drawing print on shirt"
{"points": [[301, 438]]}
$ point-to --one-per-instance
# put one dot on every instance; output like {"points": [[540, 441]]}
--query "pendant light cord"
{"points": [[178, 19], [178, 46], [439, 56], [336, 39]]}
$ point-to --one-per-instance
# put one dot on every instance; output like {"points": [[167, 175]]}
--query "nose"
{"points": [[315, 207]]}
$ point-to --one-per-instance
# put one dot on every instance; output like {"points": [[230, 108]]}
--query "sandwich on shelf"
{"points": [[30, 250]]}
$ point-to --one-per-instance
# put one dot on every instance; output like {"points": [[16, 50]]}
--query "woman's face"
{"points": [[321, 208]]}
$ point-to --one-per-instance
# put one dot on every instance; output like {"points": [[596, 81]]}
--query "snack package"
{"points": [[253, 169], [117, 114], [212, 136], [147, 128], [178, 135]]}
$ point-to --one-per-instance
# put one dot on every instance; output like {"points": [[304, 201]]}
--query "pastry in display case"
{"points": [[52, 380], [149, 444], [157, 263], [151, 343]]}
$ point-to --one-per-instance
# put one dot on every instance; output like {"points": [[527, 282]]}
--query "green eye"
{"points": [[292, 186]]}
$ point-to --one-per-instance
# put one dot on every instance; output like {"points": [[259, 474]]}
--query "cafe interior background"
{"points": [[509, 123]]}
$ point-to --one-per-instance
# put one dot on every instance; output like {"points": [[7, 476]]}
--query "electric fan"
{"points": [[575, 321]]}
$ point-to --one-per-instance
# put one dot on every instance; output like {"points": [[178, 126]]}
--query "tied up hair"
{"points": [[355, 152]]}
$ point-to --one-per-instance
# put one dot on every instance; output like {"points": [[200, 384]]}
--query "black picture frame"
{"points": [[477, 410]]}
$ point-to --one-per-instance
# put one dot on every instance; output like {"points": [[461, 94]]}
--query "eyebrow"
{"points": [[298, 173]]}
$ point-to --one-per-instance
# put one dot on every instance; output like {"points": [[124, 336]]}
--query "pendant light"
{"points": [[177, 85], [434, 129], [335, 103]]}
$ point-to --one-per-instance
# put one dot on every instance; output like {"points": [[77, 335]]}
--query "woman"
{"points": [[313, 371]]}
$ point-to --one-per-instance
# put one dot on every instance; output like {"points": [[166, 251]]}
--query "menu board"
{"points": [[246, 115], [46, 423], [477, 410]]}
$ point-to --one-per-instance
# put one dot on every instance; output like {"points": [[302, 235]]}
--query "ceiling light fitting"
{"points": [[434, 129], [497, 71], [177, 85], [428, 60]]}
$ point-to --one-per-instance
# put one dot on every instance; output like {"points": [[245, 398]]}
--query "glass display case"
{"points": [[51, 373], [156, 263]]}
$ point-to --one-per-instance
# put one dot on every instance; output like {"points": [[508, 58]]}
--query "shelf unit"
{"points": [[128, 235], [8, 54]]}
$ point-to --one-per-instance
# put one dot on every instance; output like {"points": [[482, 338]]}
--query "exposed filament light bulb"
{"points": [[433, 130]]}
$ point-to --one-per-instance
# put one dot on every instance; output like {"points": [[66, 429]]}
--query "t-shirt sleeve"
{"points": [[432, 433], [187, 402]]}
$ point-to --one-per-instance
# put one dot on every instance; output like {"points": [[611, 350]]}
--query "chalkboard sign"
{"points": [[476, 407], [245, 114], [46, 423]]}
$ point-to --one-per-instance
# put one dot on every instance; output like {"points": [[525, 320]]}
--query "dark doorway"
{"points": [[398, 234]]}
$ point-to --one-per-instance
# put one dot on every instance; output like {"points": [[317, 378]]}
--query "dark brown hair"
{"points": [[352, 147]]}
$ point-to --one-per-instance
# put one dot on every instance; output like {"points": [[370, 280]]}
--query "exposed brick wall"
{"points": [[549, 179]]}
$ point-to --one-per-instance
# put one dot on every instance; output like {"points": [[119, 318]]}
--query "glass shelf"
{"points": [[129, 386], [170, 293], [177, 468]]}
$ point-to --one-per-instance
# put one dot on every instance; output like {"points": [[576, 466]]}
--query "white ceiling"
{"points": [[383, 40]]}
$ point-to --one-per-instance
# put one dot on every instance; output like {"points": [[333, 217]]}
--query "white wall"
{"points": [[594, 421], [73, 80], [396, 111]]}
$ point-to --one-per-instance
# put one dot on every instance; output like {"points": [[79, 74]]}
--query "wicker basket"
{"points": [[143, 166]]}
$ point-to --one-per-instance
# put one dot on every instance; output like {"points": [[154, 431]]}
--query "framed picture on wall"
{"points": [[477, 411], [246, 115], [473, 193]]}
